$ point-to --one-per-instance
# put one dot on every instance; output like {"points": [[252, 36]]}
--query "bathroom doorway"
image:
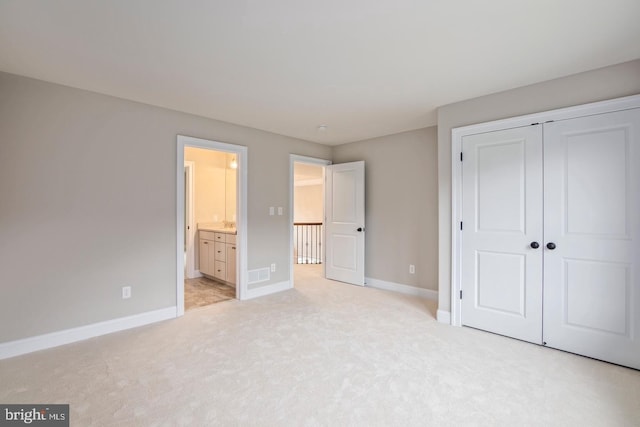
{"points": [[211, 248], [211, 212]]}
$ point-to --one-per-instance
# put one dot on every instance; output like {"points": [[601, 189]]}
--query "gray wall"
{"points": [[87, 203], [401, 205], [605, 83]]}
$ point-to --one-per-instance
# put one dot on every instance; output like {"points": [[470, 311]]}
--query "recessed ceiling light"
{"points": [[322, 128]]}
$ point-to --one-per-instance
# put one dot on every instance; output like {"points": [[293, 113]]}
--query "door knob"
{"points": [[535, 245], [551, 245]]}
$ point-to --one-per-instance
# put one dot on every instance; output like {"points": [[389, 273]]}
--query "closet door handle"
{"points": [[535, 245], [551, 246]]}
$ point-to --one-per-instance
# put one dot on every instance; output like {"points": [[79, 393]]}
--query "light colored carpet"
{"points": [[325, 353]]}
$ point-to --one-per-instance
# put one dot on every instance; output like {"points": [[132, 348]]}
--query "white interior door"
{"points": [[189, 226], [592, 222], [501, 264], [344, 225]]}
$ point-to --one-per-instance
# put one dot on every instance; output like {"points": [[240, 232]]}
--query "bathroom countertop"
{"points": [[218, 228]]}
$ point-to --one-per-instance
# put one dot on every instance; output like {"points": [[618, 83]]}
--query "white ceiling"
{"points": [[365, 68]]}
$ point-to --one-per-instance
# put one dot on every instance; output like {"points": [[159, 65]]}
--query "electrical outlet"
{"points": [[126, 292], [412, 269], [273, 267]]}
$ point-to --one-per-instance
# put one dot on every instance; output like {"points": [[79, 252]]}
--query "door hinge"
{"points": [[461, 156], [460, 293], [460, 225]]}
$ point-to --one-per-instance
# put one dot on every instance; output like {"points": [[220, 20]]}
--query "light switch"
{"points": [[279, 210], [271, 210]]}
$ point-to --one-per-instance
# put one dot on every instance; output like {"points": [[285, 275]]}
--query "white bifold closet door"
{"points": [[551, 237], [502, 215], [592, 217]]}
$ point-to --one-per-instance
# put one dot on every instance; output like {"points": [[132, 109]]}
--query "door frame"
{"points": [[457, 134], [295, 158], [189, 168], [241, 153]]}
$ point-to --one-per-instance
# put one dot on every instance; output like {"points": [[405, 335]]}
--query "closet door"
{"points": [[592, 236], [501, 267]]}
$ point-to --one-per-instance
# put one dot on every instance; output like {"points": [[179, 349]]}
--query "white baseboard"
{"points": [[444, 316], [403, 289], [67, 336], [269, 289]]}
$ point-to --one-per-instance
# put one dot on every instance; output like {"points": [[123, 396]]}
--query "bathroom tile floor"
{"points": [[201, 291]]}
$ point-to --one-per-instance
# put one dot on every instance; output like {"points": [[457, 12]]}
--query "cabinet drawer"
{"points": [[220, 270], [207, 235], [220, 253], [220, 237], [231, 238]]}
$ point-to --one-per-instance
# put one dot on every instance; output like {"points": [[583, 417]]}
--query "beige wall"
{"points": [[88, 204], [401, 205], [209, 184], [308, 203], [606, 83]]}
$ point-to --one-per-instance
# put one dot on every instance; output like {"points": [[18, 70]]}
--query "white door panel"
{"points": [[344, 207], [592, 190], [596, 287], [596, 180], [501, 282], [500, 185], [502, 215]]}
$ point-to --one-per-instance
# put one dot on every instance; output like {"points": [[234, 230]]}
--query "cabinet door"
{"points": [[205, 266], [592, 224], [231, 263]]}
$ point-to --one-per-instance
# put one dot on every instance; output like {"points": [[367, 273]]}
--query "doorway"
{"points": [[211, 225], [211, 249], [341, 237], [307, 216]]}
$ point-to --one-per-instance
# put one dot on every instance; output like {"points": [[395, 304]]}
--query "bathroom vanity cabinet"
{"points": [[218, 255]]}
